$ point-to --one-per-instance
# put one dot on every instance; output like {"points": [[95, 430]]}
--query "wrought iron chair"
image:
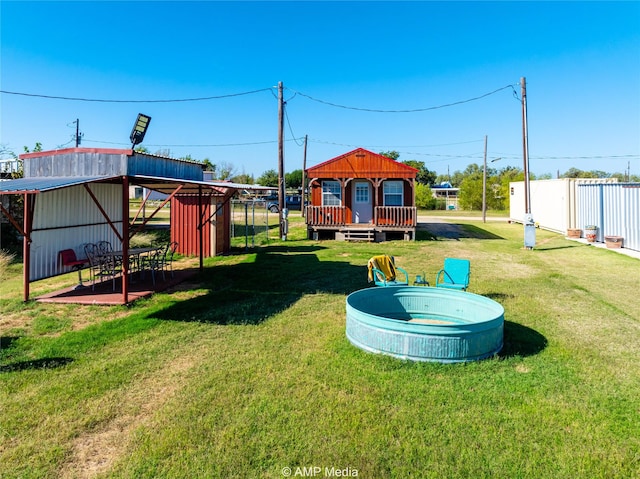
{"points": [[383, 271], [155, 262], [105, 249], [454, 275], [171, 251], [101, 265]]}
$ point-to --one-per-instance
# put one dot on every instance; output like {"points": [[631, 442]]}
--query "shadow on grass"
{"points": [[453, 231], [521, 341], [44, 363], [7, 341], [542, 248], [248, 293], [499, 296]]}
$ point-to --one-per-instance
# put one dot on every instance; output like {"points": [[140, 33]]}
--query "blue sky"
{"points": [[581, 61]]}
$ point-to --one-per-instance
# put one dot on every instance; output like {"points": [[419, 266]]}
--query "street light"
{"points": [[484, 188], [139, 129]]}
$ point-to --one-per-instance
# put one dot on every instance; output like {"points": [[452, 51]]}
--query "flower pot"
{"points": [[591, 234], [574, 233], [613, 241]]}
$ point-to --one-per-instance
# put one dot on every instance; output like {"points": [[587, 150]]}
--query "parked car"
{"points": [[292, 202]]}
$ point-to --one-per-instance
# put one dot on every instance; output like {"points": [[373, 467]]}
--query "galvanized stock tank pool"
{"points": [[425, 324]]}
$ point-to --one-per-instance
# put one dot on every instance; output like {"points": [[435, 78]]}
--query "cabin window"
{"points": [[331, 193], [393, 193]]}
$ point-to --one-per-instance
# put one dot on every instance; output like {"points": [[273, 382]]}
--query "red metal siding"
{"points": [[184, 226]]}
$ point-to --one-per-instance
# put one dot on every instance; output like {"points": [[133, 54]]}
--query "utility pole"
{"points": [[281, 185], [529, 225], [525, 147], [304, 177], [78, 137], [484, 183]]}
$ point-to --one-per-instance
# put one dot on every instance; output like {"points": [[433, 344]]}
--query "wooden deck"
{"points": [[103, 293]]}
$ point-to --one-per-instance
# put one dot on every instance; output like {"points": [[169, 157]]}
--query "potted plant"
{"points": [[574, 232], [590, 232], [613, 241]]}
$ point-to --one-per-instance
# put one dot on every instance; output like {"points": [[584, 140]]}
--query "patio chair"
{"points": [[454, 275], [67, 258], [101, 265], [105, 248], [160, 260], [171, 251], [383, 271]]}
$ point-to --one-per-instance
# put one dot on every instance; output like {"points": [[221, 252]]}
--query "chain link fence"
{"points": [[252, 224]]}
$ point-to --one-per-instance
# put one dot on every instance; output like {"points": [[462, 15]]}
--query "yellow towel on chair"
{"points": [[385, 264]]}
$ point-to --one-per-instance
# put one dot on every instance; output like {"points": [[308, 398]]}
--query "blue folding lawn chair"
{"points": [[454, 275], [383, 271]]}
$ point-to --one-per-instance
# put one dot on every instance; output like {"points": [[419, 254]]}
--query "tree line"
{"points": [[469, 181]]}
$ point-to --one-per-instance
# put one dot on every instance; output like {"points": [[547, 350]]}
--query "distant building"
{"points": [[447, 193]]}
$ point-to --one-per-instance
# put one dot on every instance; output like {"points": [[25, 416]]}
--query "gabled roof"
{"points": [[362, 163]]}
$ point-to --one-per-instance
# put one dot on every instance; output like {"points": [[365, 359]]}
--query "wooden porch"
{"points": [[386, 219]]}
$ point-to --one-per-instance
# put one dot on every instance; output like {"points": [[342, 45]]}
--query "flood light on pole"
{"points": [[139, 129]]}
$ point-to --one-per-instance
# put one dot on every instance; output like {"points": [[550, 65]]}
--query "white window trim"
{"points": [[401, 194], [337, 195]]}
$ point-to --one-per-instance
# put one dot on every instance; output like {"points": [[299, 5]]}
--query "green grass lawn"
{"points": [[246, 371]]}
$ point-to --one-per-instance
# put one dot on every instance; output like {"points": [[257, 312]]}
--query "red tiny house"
{"points": [[361, 195]]}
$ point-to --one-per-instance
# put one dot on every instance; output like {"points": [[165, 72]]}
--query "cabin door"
{"points": [[362, 204]]}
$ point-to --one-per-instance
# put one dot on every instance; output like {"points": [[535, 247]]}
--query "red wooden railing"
{"points": [[395, 215], [325, 215]]}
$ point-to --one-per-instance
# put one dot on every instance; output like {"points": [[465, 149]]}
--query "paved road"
{"points": [[445, 227]]}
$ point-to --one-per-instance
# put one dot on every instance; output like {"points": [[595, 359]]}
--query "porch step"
{"points": [[355, 235]]}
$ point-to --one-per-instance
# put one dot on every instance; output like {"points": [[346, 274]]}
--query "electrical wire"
{"points": [[393, 147], [286, 115], [102, 100], [190, 146], [416, 110]]}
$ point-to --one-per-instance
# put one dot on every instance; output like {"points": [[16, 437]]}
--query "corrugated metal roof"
{"points": [[46, 183], [161, 184], [168, 185]]}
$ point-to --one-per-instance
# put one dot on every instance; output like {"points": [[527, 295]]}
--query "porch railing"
{"points": [[325, 215], [400, 216], [392, 216]]}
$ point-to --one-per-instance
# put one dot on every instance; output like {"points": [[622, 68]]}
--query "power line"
{"points": [[102, 100], [286, 115], [403, 111], [191, 145], [395, 146], [217, 97]]}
